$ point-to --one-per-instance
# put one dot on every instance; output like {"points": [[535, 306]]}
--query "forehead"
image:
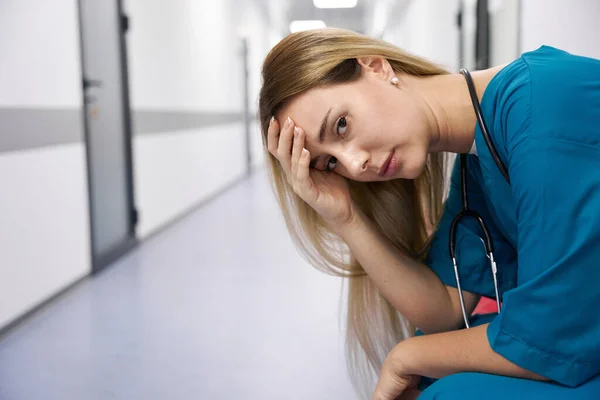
{"points": [[308, 109]]}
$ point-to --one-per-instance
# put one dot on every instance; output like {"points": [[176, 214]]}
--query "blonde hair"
{"points": [[404, 210]]}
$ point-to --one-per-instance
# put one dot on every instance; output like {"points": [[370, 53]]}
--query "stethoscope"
{"points": [[466, 212]]}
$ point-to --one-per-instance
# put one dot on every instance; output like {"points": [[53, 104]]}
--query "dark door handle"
{"points": [[88, 83]]}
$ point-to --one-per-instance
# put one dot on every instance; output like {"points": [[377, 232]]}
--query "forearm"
{"points": [[409, 285], [465, 350]]}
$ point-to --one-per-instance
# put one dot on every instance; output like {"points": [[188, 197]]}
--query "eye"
{"points": [[330, 162], [342, 126]]}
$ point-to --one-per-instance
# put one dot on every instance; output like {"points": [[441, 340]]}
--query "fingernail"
{"points": [[296, 132], [304, 152], [271, 121], [289, 122]]}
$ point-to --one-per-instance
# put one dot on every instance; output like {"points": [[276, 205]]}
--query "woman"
{"points": [[357, 131]]}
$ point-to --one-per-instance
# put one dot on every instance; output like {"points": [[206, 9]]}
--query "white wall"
{"points": [[176, 170], [44, 227], [44, 234], [427, 28], [186, 56], [569, 25], [39, 50], [504, 31], [261, 36]]}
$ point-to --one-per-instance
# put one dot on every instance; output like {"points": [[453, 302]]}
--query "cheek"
{"points": [[392, 122], [374, 126], [413, 162], [411, 119]]}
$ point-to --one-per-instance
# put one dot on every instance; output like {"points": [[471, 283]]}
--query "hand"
{"points": [[395, 382], [326, 192]]}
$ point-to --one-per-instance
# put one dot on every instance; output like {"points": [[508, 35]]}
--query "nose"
{"points": [[356, 161]]}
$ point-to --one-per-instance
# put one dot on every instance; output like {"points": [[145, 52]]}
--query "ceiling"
{"points": [[369, 16], [349, 18]]}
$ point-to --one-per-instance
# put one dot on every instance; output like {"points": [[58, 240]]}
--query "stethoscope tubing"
{"points": [[465, 212]]}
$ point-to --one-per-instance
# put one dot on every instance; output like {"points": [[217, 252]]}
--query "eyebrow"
{"points": [[321, 136]]}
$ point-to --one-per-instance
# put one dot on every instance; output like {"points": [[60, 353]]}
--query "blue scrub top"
{"points": [[543, 113]]}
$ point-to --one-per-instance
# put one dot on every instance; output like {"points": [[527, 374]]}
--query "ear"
{"points": [[377, 66]]}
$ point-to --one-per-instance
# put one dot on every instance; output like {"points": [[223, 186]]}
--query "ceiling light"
{"points": [[335, 3], [297, 26]]}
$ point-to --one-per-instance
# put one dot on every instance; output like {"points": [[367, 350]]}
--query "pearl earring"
{"points": [[394, 81]]}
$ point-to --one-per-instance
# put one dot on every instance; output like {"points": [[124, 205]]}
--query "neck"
{"points": [[449, 109]]}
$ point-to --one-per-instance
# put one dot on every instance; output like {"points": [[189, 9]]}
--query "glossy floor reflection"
{"points": [[218, 306]]}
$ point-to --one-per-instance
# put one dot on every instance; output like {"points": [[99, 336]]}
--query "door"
{"points": [[108, 129]]}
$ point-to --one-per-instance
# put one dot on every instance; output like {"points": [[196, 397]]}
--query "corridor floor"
{"points": [[219, 305]]}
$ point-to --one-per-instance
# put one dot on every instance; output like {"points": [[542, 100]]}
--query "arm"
{"points": [[442, 354], [466, 350], [402, 280]]}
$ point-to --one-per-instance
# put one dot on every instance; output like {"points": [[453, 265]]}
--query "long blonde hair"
{"points": [[404, 210]]}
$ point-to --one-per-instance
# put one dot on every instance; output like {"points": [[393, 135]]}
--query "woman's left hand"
{"points": [[395, 380]]}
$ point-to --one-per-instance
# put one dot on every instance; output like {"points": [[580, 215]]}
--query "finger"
{"points": [[388, 387], [304, 182], [273, 136], [284, 149], [297, 149]]}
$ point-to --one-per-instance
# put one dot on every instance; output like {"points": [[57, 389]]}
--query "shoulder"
{"points": [[545, 75], [553, 65], [541, 93], [506, 104], [565, 94]]}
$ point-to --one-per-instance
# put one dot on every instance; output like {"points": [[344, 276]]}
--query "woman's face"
{"points": [[371, 130]]}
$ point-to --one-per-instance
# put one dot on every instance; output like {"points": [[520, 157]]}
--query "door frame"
{"points": [[100, 262]]}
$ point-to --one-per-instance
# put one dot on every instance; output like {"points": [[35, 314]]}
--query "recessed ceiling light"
{"points": [[297, 26], [335, 3]]}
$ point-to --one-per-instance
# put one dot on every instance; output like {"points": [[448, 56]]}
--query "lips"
{"points": [[390, 166]]}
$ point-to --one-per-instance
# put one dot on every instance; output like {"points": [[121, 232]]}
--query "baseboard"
{"points": [[7, 329]]}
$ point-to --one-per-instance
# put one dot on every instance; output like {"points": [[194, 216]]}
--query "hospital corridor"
{"points": [[213, 307], [143, 251]]}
